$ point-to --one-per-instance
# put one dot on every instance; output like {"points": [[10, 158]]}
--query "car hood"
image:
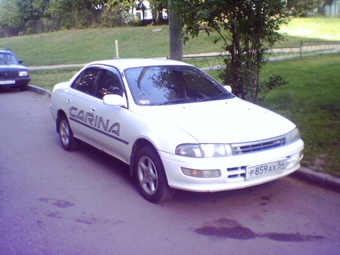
{"points": [[8, 67], [223, 121]]}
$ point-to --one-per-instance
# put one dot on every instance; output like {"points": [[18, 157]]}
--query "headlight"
{"points": [[205, 150], [23, 73], [293, 136]]}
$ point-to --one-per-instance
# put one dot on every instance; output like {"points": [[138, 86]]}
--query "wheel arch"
{"points": [[59, 114], [140, 143]]}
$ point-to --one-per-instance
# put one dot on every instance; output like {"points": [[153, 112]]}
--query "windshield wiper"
{"points": [[180, 100], [217, 97]]}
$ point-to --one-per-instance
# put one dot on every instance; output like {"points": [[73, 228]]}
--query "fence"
{"points": [[319, 47], [207, 61], [215, 60]]}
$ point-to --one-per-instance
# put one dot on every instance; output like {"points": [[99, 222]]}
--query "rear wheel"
{"points": [[68, 141], [150, 176]]}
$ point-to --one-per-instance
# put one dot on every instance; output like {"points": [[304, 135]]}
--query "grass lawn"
{"points": [[47, 78], [311, 99], [83, 46]]}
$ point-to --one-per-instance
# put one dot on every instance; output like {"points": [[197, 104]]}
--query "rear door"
{"points": [[108, 128]]}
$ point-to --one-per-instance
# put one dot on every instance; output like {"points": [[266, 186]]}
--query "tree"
{"points": [[15, 13], [175, 30], [175, 8], [9, 14], [121, 9], [66, 6], [158, 7], [247, 28], [126, 4], [303, 7]]}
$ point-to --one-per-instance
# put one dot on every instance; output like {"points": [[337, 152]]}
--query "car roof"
{"points": [[124, 63], [3, 50]]}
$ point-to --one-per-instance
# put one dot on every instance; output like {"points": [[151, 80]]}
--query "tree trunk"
{"points": [[176, 39]]}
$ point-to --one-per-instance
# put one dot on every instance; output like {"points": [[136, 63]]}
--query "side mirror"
{"points": [[115, 100], [228, 88]]}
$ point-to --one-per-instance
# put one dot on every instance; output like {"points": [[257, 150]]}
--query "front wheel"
{"points": [[150, 176], [68, 141]]}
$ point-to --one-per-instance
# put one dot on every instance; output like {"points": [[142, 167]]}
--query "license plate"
{"points": [[266, 169], [7, 82]]}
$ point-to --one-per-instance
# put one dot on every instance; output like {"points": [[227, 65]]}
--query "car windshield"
{"points": [[8, 58], [163, 85]]}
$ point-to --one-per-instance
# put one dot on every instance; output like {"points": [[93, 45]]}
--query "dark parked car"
{"points": [[12, 73]]}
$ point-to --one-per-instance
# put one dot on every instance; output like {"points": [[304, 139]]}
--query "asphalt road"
{"points": [[85, 202]]}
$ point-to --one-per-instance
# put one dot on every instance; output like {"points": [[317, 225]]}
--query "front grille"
{"points": [[236, 173], [9, 74], [259, 146]]}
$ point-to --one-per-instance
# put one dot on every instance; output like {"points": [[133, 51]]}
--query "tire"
{"points": [[150, 176], [68, 141]]}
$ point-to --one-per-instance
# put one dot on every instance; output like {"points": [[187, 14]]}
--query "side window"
{"points": [[87, 80], [109, 83]]}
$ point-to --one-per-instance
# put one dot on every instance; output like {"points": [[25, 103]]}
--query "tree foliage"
{"points": [[15, 13], [247, 28], [125, 4], [33, 16], [62, 6], [303, 7]]}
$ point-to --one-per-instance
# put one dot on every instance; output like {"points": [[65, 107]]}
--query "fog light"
{"points": [[301, 155], [201, 173]]}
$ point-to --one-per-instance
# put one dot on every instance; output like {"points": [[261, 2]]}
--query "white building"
{"points": [[144, 12]]}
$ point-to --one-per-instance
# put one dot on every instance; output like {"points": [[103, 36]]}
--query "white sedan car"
{"points": [[175, 126]]}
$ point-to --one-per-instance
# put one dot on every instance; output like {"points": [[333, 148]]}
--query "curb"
{"points": [[309, 176], [318, 179], [38, 90]]}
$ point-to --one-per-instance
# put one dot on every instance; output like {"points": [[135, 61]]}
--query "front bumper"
{"points": [[232, 169], [15, 83]]}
